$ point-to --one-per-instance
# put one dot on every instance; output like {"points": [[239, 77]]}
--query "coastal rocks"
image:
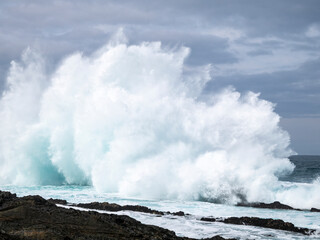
{"points": [[57, 201], [4, 236], [112, 207], [209, 219], [6, 196], [33, 217], [315, 210], [252, 221], [180, 213], [262, 222], [274, 205], [268, 223]]}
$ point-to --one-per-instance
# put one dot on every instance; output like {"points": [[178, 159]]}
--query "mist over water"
{"points": [[130, 119]]}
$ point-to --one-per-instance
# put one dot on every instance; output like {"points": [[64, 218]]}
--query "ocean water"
{"points": [[130, 124], [191, 226], [306, 171]]}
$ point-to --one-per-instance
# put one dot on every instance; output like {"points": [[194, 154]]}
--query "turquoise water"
{"points": [[132, 120], [184, 226], [306, 171]]}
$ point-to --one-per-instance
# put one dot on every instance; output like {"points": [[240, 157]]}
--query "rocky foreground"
{"points": [[33, 217], [274, 205], [251, 221]]}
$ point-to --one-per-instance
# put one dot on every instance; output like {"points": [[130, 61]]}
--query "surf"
{"points": [[131, 119]]}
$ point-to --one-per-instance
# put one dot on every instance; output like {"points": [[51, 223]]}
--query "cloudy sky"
{"points": [[271, 47]]}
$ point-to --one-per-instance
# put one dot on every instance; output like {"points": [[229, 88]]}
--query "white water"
{"points": [[189, 226], [128, 119]]}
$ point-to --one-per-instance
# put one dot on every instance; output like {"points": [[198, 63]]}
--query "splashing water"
{"points": [[128, 119]]}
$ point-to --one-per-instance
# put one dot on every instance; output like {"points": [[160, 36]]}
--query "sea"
{"points": [[134, 124], [307, 170]]}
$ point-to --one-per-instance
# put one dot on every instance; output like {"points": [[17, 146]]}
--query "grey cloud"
{"points": [[305, 134], [296, 92], [204, 48], [266, 29], [259, 52]]}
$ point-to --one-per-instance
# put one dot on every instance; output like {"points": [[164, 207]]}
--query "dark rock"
{"points": [[315, 210], [33, 217], [180, 213], [9, 201], [112, 207], [4, 236], [6, 196], [208, 219], [218, 238], [274, 205], [57, 201], [262, 222]]}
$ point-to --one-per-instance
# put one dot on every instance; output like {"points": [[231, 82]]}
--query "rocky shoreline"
{"points": [[33, 217], [251, 221], [274, 205]]}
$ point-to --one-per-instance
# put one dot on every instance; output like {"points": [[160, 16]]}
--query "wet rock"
{"points": [[112, 207], [6, 196], [4, 236], [33, 217], [218, 238], [57, 201], [274, 205], [208, 219], [180, 213], [262, 222], [315, 210], [268, 223]]}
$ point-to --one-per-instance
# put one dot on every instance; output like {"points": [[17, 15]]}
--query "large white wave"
{"points": [[129, 119]]}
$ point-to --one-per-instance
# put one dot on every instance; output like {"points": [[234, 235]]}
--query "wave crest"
{"points": [[129, 119]]}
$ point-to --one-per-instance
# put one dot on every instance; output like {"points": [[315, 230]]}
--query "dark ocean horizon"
{"points": [[307, 169]]}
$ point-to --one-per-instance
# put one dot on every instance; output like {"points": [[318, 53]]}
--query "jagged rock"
{"points": [[4, 236], [262, 222], [274, 205], [315, 210], [259, 222], [57, 201], [180, 213], [6, 196], [208, 219], [112, 207], [33, 217], [218, 238]]}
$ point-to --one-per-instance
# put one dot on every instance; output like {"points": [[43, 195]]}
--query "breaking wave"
{"points": [[130, 119]]}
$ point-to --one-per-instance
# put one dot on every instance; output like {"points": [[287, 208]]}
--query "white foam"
{"points": [[81, 194], [128, 119], [191, 226]]}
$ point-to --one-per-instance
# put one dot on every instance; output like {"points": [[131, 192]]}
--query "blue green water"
{"points": [[306, 171]]}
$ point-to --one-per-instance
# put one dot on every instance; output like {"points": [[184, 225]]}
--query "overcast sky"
{"points": [[266, 46]]}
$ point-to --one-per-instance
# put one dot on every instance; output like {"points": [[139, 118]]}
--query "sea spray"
{"points": [[129, 119]]}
